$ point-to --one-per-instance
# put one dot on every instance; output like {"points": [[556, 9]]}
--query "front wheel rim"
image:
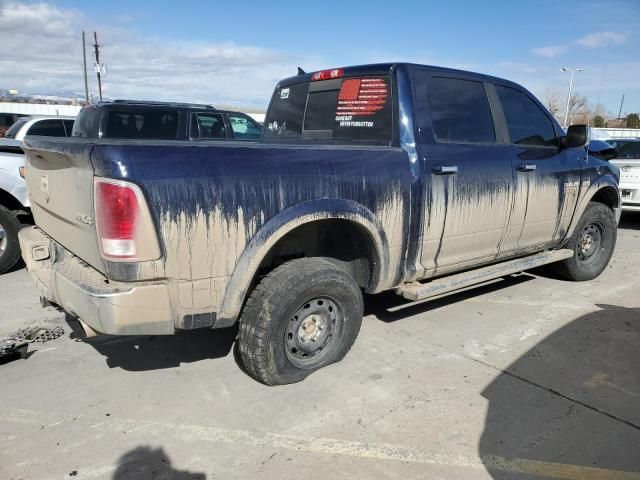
{"points": [[313, 332], [591, 242], [3, 240]]}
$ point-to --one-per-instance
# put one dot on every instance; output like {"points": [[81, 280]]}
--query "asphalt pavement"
{"points": [[525, 377]]}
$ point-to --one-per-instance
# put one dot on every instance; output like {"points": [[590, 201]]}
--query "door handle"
{"points": [[527, 167], [444, 169]]}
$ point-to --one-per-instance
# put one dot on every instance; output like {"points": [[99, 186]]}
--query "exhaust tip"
{"points": [[87, 330]]}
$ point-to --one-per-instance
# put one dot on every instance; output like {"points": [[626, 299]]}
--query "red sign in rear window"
{"points": [[363, 103]]}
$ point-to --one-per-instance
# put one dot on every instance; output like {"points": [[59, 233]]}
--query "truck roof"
{"points": [[385, 68], [154, 103]]}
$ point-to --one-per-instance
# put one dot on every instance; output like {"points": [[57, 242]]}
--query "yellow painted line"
{"points": [[556, 470], [328, 446]]}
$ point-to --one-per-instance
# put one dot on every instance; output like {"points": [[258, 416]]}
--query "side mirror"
{"points": [[577, 136]]}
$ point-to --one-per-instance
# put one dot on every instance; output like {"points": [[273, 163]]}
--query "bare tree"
{"points": [[578, 109], [553, 102]]}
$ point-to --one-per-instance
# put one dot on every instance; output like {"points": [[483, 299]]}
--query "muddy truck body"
{"points": [[401, 177]]}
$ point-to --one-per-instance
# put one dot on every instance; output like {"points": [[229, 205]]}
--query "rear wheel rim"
{"points": [[591, 242], [313, 332], [3, 240]]}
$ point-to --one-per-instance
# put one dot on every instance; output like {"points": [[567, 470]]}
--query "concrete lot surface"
{"points": [[527, 377]]}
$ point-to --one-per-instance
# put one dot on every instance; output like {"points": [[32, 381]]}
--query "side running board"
{"points": [[420, 291]]}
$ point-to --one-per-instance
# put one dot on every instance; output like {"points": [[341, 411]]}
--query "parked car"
{"points": [[134, 119], [628, 160], [416, 179], [8, 119], [14, 203], [602, 149]]}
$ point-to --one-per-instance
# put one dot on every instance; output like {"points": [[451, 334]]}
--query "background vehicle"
{"points": [[6, 120], [602, 149], [41, 126], [628, 160], [14, 203], [164, 121], [419, 179]]}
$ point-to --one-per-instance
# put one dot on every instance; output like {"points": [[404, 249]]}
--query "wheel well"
{"points": [[343, 241], [607, 196], [9, 201]]}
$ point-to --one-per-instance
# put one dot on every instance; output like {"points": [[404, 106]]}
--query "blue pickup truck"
{"points": [[411, 178]]}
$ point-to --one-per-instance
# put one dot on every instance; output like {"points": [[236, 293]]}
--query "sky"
{"points": [[233, 53]]}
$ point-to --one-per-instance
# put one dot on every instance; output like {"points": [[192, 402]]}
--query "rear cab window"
{"points": [[140, 123], [350, 109]]}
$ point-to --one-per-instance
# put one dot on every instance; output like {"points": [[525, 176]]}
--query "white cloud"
{"points": [[42, 53], [593, 40], [550, 52], [601, 39]]}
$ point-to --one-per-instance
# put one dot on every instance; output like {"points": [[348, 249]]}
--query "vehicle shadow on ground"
{"points": [[140, 353], [389, 307], [569, 405], [145, 463]]}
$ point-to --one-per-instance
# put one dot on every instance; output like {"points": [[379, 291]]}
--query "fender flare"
{"points": [[283, 223], [602, 182]]}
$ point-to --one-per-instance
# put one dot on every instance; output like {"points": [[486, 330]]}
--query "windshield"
{"points": [[15, 128], [349, 109], [626, 148]]}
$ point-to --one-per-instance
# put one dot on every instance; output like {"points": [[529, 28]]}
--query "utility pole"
{"points": [[572, 70], [84, 64], [620, 111], [96, 48]]}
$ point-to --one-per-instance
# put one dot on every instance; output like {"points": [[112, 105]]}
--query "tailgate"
{"points": [[60, 184], [629, 170]]}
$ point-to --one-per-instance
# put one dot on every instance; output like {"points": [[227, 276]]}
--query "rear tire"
{"points": [[9, 245], [302, 316], [593, 242]]}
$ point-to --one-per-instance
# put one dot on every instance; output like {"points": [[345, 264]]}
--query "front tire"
{"points": [[9, 245], [593, 242], [304, 315]]}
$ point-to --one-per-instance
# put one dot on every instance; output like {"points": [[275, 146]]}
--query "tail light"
{"points": [[125, 228], [327, 74]]}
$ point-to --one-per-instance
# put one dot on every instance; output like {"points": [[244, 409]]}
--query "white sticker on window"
{"points": [[284, 93]]}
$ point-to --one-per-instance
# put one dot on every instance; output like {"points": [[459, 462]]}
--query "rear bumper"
{"points": [[136, 308]]}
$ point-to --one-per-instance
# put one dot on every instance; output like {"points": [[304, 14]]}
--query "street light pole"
{"points": [[572, 70]]}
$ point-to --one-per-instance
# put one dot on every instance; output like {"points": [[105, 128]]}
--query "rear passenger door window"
{"points": [[460, 111], [526, 122], [244, 128], [207, 126], [48, 128]]}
